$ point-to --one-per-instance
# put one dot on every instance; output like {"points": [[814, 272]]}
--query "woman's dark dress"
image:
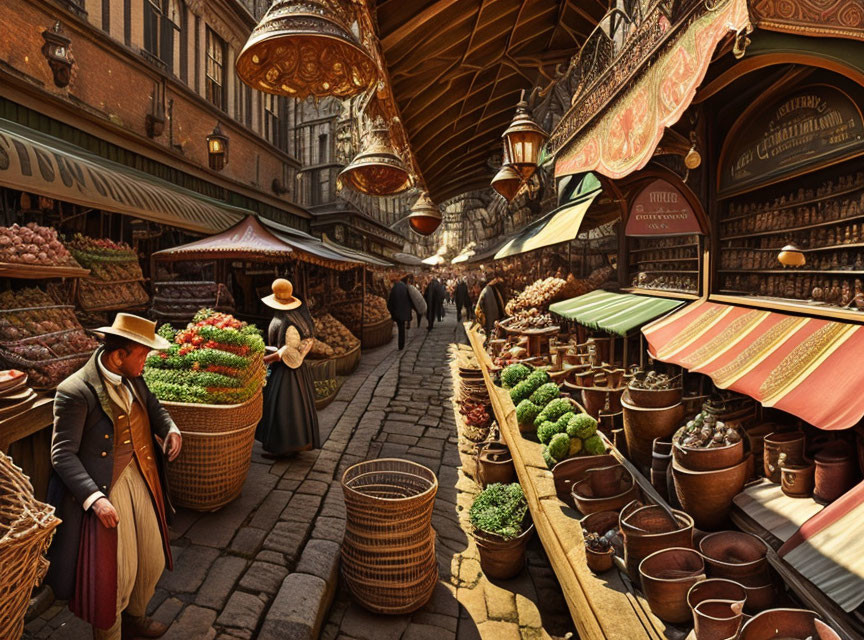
{"points": [[290, 421]]}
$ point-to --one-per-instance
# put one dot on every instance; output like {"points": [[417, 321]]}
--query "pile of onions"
{"points": [[33, 244]]}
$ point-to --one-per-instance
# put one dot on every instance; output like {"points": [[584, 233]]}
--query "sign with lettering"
{"points": [[810, 127], [660, 209]]}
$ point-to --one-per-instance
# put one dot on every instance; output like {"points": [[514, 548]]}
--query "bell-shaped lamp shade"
{"points": [[425, 217], [523, 140], [305, 48], [376, 170], [791, 256], [506, 182]]}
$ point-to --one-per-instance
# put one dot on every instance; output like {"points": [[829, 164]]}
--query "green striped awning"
{"points": [[617, 313]]}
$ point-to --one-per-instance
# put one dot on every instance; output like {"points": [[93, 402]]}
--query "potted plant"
{"points": [[499, 516]]}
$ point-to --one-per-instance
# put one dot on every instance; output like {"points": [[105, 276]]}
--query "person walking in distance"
{"points": [[108, 485], [434, 295], [399, 305], [417, 299], [490, 305], [463, 300]]}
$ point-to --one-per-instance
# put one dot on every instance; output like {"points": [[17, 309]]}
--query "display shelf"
{"points": [[694, 258], [688, 272], [831, 247], [38, 416], [792, 205], [789, 272], [663, 293], [676, 246], [40, 272], [777, 232], [793, 305]]}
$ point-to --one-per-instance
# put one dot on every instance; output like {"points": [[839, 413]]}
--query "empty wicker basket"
{"points": [[388, 554], [217, 449], [26, 529]]}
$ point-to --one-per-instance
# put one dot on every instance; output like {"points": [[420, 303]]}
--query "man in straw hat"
{"points": [[109, 486]]}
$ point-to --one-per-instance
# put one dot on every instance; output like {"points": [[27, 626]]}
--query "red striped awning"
{"points": [[808, 367]]}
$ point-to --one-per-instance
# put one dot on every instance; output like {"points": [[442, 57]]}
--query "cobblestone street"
{"points": [[267, 565]]}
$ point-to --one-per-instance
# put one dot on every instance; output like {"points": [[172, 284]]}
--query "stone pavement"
{"points": [[266, 566]]}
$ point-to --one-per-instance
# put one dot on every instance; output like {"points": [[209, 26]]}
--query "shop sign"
{"points": [[811, 127], [661, 209]]}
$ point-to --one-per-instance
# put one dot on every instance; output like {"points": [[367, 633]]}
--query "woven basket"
{"points": [[377, 334], [346, 364], [26, 529], [217, 449], [321, 369], [388, 554]]}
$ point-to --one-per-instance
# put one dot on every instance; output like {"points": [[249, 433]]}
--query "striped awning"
{"points": [[37, 163], [808, 367], [617, 313]]}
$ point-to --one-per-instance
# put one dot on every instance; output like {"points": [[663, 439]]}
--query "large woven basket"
{"points": [[346, 364], [217, 449], [26, 529], [388, 554], [321, 369], [377, 334]]}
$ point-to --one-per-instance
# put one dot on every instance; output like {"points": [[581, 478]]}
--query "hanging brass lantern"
{"points": [[306, 47], [425, 217], [523, 139], [507, 181], [376, 170]]}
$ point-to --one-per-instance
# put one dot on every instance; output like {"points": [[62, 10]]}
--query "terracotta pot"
{"points": [[614, 377], [642, 426], [667, 575], [707, 495], [654, 398], [718, 608], [661, 456], [594, 399], [600, 522], [608, 421], [835, 473], [706, 458], [614, 397], [494, 464], [780, 449], [606, 481], [599, 561], [566, 472], [646, 529], [735, 555], [787, 623], [502, 559], [797, 481], [759, 597], [587, 501]]}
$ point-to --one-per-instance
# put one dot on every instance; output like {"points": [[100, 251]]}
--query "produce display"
{"points": [[325, 388], [216, 359], [34, 245], [321, 350], [653, 381], [352, 312], [537, 294], [40, 337], [529, 385], [706, 431], [500, 510], [476, 415], [334, 334], [529, 319], [116, 280], [180, 300]]}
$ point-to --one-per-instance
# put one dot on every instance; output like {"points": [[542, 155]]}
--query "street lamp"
{"points": [[217, 148], [523, 139]]}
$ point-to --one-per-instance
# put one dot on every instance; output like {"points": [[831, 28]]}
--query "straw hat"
{"points": [[283, 296], [136, 329]]}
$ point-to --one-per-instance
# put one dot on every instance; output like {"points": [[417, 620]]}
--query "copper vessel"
{"points": [[780, 449], [797, 480], [835, 473], [305, 48]]}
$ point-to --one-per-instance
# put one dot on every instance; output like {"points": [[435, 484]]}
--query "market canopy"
{"points": [[617, 313], [34, 162], [360, 256], [806, 366]]}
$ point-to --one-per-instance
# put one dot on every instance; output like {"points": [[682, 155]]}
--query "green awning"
{"points": [[617, 313]]}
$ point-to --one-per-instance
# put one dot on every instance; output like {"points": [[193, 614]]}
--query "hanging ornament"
{"points": [[305, 48], [523, 139], [507, 181], [425, 217], [376, 170]]}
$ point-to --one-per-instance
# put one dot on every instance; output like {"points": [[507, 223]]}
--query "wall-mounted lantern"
{"points": [[56, 51], [217, 148]]}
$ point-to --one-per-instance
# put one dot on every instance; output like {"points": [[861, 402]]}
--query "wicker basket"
{"points": [[388, 554], [346, 364], [217, 449], [26, 529], [322, 369], [377, 334]]}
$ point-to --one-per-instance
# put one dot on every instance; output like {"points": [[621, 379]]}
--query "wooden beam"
{"points": [[405, 30]]}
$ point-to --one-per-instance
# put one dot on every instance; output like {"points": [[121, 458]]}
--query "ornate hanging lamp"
{"points": [[425, 217], [523, 139], [306, 47], [507, 181], [377, 170]]}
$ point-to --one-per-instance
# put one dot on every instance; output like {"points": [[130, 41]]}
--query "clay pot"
{"points": [[494, 464], [667, 575], [759, 597], [654, 398], [835, 473], [600, 522], [706, 458], [502, 559], [614, 378], [594, 399], [620, 493], [780, 449], [797, 481], [661, 456], [642, 426], [735, 555], [572, 470], [718, 608], [599, 561], [707, 495], [787, 624], [646, 529]]}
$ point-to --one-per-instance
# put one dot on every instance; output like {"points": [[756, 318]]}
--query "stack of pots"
{"points": [[787, 623], [707, 479], [741, 558], [648, 415], [646, 529]]}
